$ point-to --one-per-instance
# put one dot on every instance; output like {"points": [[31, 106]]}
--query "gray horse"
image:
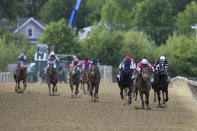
{"points": [[74, 79], [20, 75], [143, 85], [52, 78], [94, 80]]}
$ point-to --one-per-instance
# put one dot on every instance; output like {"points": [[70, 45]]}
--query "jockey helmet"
{"points": [[22, 54], [162, 58], [128, 58], [52, 53], [144, 61], [76, 61], [94, 60]]}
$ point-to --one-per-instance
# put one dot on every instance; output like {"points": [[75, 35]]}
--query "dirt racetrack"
{"points": [[36, 111]]}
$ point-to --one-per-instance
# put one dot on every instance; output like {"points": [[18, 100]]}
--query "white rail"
{"points": [[5, 77]]}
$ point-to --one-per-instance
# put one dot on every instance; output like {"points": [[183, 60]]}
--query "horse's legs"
{"points": [[84, 92], [96, 92], [49, 86], [91, 91], [88, 86], [136, 93], [18, 84], [163, 92], [147, 99], [159, 98], [55, 87], [166, 95], [121, 92], [155, 96], [125, 90], [16, 87], [71, 87], [129, 95], [24, 83], [76, 89], [142, 99]]}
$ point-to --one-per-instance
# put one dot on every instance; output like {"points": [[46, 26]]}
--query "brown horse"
{"points": [[94, 80], [52, 78], [74, 80], [20, 75], [160, 83], [85, 80], [143, 85]]}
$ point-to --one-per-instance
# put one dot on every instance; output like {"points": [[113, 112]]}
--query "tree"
{"points": [[181, 54], [12, 9], [155, 18], [186, 19], [54, 10], [179, 5], [138, 46], [114, 17], [103, 45], [127, 4], [60, 35], [33, 7], [11, 46], [89, 13]]}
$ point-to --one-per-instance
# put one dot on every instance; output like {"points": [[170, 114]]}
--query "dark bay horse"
{"points": [[126, 81], [74, 79], [85, 80], [160, 83], [20, 75], [52, 78], [94, 80], [143, 85]]}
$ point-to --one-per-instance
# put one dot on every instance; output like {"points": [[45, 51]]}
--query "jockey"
{"points": [[162, 59], [22, 57], [95, 62], [86, 64], [122, 64], [144, 63], [76, 62], [52, 59]]}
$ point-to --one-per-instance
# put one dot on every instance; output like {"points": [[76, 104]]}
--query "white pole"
{"points": [[195, 27]]}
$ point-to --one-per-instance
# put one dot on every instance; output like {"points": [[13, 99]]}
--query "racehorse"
{"points": [[20, 75], [85, 80], [143, 85], [52, 78], [160, 83], [74, 79], [126, 81], [94, 80]]}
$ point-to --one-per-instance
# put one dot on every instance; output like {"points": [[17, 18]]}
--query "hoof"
{"points": [[166, 99]]}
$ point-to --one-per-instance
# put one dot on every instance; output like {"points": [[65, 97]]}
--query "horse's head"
{"points": [[162, 68], [51, 67], [93, 71], [22, 66], [127, 71], [145, 73], [75, 70]]}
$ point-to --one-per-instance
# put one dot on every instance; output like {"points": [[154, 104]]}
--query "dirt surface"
{"points": [[35, 110]]}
